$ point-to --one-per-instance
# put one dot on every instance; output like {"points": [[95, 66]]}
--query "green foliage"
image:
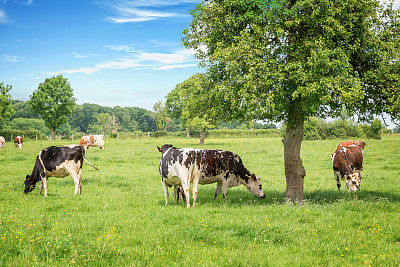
{"points": [[6, 108], [23, 110], [292, 60], [24, 124], [160, 116], [317, 129], [9, 134], [375, 130], [54, 101], [120, 218], [397, 129], [190, 102]]}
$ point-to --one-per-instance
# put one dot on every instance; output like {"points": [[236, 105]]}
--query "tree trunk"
{"points": [[202, 136], [187, 132], [52, 133], [294, 169]]}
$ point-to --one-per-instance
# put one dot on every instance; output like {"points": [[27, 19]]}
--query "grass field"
{"points": [[120, 218]]}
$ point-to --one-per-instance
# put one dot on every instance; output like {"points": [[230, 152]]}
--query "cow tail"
{"points": [[90, 164], [83, 156]]}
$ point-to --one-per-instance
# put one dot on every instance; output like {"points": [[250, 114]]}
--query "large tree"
{"points": [[54, 101], [6, 108], [288, 60]]}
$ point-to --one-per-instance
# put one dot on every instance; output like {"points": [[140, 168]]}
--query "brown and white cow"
{"points": [[359, 143], [2, 141], [18, 142], [92, 140], [348, 165], [182, 166], [57, 162]]}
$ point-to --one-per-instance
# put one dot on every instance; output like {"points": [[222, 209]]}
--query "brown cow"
{"points": [[92, 140], [2, 141], [348, 165], [359, 143], [18, 142]]}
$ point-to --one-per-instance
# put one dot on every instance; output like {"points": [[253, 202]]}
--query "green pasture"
{"points": [[120, 218]]}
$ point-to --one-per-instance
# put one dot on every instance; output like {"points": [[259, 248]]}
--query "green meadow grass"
{"points": [[120, 218]]}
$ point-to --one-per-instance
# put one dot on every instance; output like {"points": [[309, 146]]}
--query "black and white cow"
{"points": [[182, 166], [57, 162], [348, 165]]}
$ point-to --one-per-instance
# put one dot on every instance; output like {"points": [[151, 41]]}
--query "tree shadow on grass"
{"points": [[320, 197], [332, 196]]}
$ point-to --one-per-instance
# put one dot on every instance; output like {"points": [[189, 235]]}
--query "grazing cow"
{"points": [[348, 165], [182, 166], [359, 143], [18, 142], [92, 140], [57, 162], [2, 141]]}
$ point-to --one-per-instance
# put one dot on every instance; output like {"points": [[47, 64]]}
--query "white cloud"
{"points": [[3, 17], [10, 58], [176, 66], [163, 58], [125, 48], [126, 11], [77, 55]]}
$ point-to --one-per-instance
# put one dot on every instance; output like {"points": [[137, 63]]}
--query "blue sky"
{"points": [[124, 53], [114, 53]]}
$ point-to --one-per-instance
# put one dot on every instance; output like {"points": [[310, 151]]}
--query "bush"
{"points": [[28, 134], [25, 124]]}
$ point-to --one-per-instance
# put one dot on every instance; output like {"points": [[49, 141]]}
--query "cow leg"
{"points": [[75, 176], [225, 186], [44, 184], [166, 195], [80, 181], [218, 190], [186, 192], [40, 187], [194, 193], [337, 177], [175, 194]]}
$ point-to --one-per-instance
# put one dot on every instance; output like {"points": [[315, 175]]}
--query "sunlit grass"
{"points": [[120, 218]]}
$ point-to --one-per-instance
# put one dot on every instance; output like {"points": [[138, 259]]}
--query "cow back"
{"points": [[53, 156], [348, 158]]}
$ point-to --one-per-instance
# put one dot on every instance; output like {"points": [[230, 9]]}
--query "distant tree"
{"points": [[397, 128], [190, 101], [23, 110], [54, 101], [28, 124], [105, 120], [6, 108], [160, 116]]}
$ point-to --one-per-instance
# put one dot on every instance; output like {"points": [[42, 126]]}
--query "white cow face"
{"points": [[353, 182], [255, 187]]}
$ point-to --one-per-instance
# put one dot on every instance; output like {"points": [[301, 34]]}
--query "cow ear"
{"points": [[27, 177], [253, 177], [159, 149]]}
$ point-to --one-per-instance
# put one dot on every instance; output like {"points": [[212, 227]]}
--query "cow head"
{"points": [[255, 187], [29, 184], [164, 148], [353, 181]]}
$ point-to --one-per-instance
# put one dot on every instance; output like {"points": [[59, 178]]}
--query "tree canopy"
{"points": [[190, 102], [54, 101], [288, 60]]}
